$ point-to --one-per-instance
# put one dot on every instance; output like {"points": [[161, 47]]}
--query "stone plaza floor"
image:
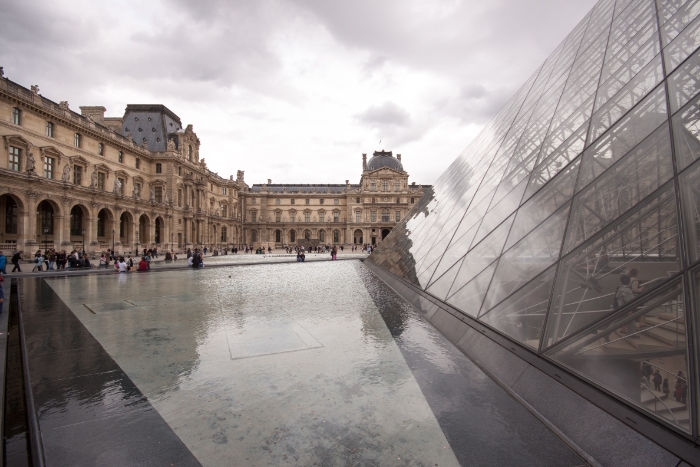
{"points": [[261, 365]]}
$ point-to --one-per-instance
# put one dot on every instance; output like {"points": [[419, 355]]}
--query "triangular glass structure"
{"points": [[588, 179]]}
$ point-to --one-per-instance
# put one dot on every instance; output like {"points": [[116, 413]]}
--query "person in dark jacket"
{"points": [[16, 258]]}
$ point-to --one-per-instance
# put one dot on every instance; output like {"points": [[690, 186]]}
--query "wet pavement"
{"points": [[262, 365]]}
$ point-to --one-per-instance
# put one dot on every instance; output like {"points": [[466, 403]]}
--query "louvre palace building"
{"points": [[86, 181], [561, 249]]}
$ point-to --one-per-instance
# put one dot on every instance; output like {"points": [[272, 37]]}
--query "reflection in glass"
{"points": [[684, 84], [625, 352], [686, 134], [621, 187], [690, 194], [588, 279], [529, 257], [469, 298], [522, 315], [682, 46]]}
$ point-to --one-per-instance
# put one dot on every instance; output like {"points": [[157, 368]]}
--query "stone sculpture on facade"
{"points": [[66, 173], [30, 163], [93, 179], [136, 193], [152, 199], [117, 187]]}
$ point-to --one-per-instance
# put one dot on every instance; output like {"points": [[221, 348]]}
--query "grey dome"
{"points": [[384, 159]]}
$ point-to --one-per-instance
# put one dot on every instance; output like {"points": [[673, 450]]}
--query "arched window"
{"points": [[322, 236], [253, 236], [76, 221], [159, 223], [45, 215], [336, 236], [223, 234], [307, 234], [11, 216], [278, 236], [292, 236], [101, 222]]}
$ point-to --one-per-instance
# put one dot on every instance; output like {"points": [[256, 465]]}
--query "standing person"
{"points": [[3, 263], [657, 379], [130, 264], [52, 258], [665, 389], [61, 260]]}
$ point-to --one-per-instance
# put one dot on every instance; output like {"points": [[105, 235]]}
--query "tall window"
{"points": [[16, 118], [10, 217], [398, 216], [179, 171], [293, 200], [357, 200], [13, 162], [358, 216], [123, 186], [189, 152], [397, 185], [278, 236], [385, 215], [277, 201], [138, 163], [336, 201], [48, 167], [292, 236], [412, 200], [179, 198], [308, 201], [223, 234], [292, 218], [101, 221], [76, 221], [159, 194], [278, 217], [307, 217], [100, 149], [159, 168], [321, 201], [49, 129], [223, 190], [100, 180], [373, 216], [372, 186], [322, 236], [385, 185], [398, 200], [224, 211], [253, 216], [77, 174], [253, 236], [336, 236], [121, 157], [76, 140], [335, 216], [373, 200], [321, 216], [253, 200], [46, 214]]}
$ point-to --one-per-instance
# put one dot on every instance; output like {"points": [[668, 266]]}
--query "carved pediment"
{"points": [[16, 140], [121, 174], [102, 168], [50, 151], [78, 159]]}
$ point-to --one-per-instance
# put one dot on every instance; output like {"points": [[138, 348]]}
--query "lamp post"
{"points": [[83, 241], [112, 243]]}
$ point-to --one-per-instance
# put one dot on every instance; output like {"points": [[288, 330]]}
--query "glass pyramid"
{"points": [[571, 224]]}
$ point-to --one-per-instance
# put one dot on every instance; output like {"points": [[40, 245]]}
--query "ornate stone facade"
{"points": [[88, 181], [364, 213]]}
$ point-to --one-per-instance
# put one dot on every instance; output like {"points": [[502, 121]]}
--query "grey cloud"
{"points": [[387, 114]]}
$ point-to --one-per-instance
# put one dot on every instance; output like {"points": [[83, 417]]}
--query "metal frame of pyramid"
{"points": [[584, 186]]}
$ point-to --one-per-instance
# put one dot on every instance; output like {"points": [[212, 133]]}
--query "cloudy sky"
{"points": [[293, 90]]}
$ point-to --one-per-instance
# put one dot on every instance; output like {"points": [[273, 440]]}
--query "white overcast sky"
{"points": [[293, 90]]}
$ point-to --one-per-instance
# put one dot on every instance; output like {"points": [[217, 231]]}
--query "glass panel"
{"points": [[682, 46], [529, 257], [468, 299], [457, 249], [483, 254], [626, 98], [559, 159], [641, 48], [502, 210], [544, 203], [617, 142], [690, 197], [686, 134], [684, 84], [625, 352], [679, 21], [636, 176], [522, 315], [440, 287], [588, 279]]}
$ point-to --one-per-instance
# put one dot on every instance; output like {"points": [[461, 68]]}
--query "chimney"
{"points": [[269, 181], [364, 161], [398, 156], [96, 113]]}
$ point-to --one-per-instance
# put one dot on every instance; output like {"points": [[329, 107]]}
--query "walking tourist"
{"points": [[3, 263]]}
